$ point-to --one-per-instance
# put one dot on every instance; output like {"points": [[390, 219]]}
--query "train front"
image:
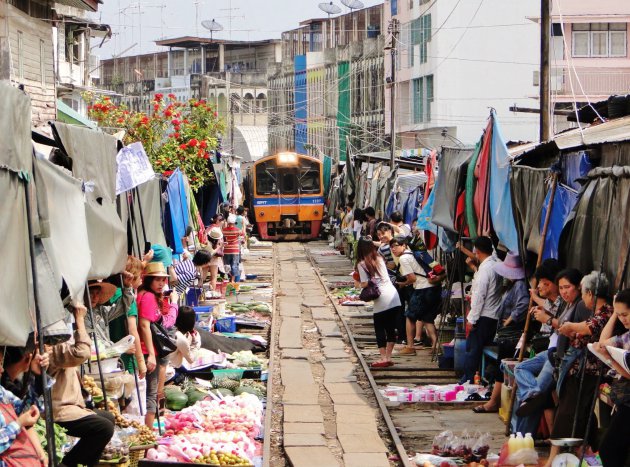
{"points": [[288, 196]]}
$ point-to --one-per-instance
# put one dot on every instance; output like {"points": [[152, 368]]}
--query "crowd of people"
{"points": [[146, 299], [568, 311]]}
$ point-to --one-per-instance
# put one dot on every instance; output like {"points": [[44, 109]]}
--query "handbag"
{"points": [[369, 293], [163, 344]]}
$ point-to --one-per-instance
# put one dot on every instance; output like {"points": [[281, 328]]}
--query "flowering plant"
{"points": [[175, 134]]}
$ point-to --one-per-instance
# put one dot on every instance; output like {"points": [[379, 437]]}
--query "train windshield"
{"points": [[267, 178], [309, 176]]}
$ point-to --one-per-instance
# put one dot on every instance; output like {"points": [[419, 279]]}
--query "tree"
{"points": [[176, 134]]}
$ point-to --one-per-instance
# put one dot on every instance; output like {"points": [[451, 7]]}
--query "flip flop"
{"points": [[380, 364], [482, 409]]}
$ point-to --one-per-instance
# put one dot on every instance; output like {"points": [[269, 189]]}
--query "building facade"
{"points": [[456, 60], [328, 91]]}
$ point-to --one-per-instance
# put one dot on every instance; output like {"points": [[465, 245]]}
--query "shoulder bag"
{"points": [[369, 293]]}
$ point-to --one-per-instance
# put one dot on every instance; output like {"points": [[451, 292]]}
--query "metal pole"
{"points": [[545, 95], [94, 338], [541, 248], [393, 27], [50, 433], [135, 376]]}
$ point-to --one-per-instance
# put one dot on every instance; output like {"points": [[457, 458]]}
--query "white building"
{"points": [[456, 59]]}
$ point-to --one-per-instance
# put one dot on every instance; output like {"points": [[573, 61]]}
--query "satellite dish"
{"points": [[353, 4], [329, 8], [211, 26]]}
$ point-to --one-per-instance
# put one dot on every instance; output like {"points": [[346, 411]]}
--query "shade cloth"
{"points": [[176, 211]]}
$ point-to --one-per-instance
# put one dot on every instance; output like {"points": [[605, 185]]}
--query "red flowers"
{"points": [[183, 147], [172, 96], [203, 144], [156, 107], [192, 143], [159, 97], [144, 120], [167, 173], [175, 122], [176, 135], [168, 113]]}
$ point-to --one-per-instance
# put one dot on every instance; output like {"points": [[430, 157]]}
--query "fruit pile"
{"points": [[90, 386], [145, 434]]}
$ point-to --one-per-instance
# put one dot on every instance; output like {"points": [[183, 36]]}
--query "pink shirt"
{"points": [[148, 309]]}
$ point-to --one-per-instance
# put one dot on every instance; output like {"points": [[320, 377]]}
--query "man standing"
{"points": [[484, 308]]}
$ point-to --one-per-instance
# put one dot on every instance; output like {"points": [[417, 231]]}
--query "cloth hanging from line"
{"points": [[62, 196], [150, 194], [16, 147], [177, 211], [449, 185], [575, 166], [564, 201], [481, 198], [500, 197], [327, 174], [134, 168], [471, 219]]}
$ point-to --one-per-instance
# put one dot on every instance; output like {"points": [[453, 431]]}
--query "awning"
{"points": [[91, 5], [250, 142], [67, 114]]}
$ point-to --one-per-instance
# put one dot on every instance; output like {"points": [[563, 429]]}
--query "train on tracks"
{"points": [[286, 196]]}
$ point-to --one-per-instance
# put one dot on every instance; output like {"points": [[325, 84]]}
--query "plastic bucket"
{"points": [[460, 355], [193, 295]]}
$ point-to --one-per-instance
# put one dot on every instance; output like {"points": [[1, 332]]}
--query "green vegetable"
{"points": [[249, 390], [60, 437], [194, 396]]}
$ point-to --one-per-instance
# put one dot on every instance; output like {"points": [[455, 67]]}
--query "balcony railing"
{"points": [[590, 81]]}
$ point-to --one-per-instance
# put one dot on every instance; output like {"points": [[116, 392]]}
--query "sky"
{"points": [[137, 24]]}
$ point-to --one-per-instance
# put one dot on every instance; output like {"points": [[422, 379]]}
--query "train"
{"points": [[286, 196]]}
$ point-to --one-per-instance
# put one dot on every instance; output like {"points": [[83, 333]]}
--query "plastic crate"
{"points": [[227, 324]]}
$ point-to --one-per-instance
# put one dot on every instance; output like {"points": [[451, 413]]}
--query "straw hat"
{"points": [[107, 291], [215, 233], [155, 270], [511, 268]]}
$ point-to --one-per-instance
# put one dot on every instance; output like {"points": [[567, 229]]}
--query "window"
{"points": [[420, 35], [394, 6], [20, 54], [309, 177], [599, 39], [266, 183], [422, 99], [289, 181]]}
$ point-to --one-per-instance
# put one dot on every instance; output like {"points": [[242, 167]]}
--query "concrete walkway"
{"points": [[327, 419]]}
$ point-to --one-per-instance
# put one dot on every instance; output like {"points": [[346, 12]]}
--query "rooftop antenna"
{"points": [[211, 26], [329, 8], [353, 4]]}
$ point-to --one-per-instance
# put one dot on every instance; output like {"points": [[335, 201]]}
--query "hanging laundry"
{"points": [[500, 196], [481, 198], [471, 183], [564, 201]]}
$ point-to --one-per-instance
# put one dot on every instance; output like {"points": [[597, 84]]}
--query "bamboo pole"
{"points": [[541, 248]]}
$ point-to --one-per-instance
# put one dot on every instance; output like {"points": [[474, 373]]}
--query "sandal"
{"points": [[482, 409], [380, 364]]}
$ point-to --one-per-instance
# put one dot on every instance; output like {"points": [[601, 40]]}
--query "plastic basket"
{"points": [[227, 324]]}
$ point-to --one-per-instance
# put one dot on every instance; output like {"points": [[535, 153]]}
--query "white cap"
{"points": [[231, 219]]}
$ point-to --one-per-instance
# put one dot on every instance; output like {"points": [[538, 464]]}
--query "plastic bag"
{"points": [[522, 456], [441, 442], [481, 446], [426, 460]]}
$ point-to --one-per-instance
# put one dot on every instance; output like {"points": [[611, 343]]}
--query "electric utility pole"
{"points": [[545, 95], [394, 30]]}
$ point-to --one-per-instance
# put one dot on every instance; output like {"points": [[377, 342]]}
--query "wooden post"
{"points": [[545, 95]]}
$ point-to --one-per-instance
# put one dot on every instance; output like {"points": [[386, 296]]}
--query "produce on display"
{"points": [[246, 359], [60, 437], [90, 386]]}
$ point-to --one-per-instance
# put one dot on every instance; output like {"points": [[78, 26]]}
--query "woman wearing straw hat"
{"points": [[151, 308], [512, 312]]}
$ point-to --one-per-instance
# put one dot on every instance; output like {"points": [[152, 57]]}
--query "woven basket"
{"points": [[138, 452]]}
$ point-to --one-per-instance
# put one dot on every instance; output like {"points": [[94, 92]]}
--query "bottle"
{"points": [[520, 441], [512, 448], [529, 441], [477, 379]]}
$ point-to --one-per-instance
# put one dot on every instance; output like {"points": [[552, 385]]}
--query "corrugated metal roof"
{"points": [[608, 132], [250, 142], [82, 4], [406, 183]]}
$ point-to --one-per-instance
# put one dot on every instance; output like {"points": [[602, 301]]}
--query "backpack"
{"points": [[431, 268]]}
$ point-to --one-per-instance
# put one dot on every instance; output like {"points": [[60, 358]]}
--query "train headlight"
{"points": [[316, 212], [261, 214], [287, 158]]}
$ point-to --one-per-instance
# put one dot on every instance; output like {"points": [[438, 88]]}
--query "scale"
{"points": [[566, 458]]}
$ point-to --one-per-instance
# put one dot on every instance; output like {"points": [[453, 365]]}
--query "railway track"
{"points": [[412, 426]]}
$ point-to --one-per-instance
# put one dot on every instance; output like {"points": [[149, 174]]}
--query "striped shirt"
{"points": [[9, 428], [186, 275], [231, 237]]}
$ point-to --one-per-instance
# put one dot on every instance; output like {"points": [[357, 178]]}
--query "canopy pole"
{"points": [[50, 432], [541, 249], [98, 355]]}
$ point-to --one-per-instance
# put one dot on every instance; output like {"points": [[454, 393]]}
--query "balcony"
{"points": [[588, 81]]}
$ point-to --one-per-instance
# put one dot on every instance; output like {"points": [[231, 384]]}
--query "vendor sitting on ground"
{"points": [[512, 313], [93, 428], [19, 444], [187, 339]]}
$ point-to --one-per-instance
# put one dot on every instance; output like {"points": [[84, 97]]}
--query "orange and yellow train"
{"points": [[287, 196]]}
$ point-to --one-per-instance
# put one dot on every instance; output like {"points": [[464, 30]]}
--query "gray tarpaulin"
{"points": [[93, 157], [528, 190], [63, 198], [16, 148], [94, 161], [449, 185], [586, 239], [16, 313], [150, 194]]}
